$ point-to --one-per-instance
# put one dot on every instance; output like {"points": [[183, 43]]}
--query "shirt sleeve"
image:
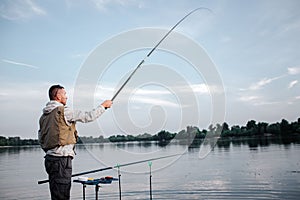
{"points": [[83, 116]]}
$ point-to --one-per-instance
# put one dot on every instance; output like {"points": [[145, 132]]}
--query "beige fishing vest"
{"points": [[54, 131]]}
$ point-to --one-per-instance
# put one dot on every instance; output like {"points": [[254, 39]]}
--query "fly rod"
{"points": [[153, 49], [117, 166]]}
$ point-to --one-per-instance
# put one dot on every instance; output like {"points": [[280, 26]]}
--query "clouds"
{"points": [[103, 5], [163, 97], [20, 9], [267, 91], [159, 96], [293, 70], [248, 98], [266, 81], [19, 64], [27, 9], [292, 84], [263, 82]]}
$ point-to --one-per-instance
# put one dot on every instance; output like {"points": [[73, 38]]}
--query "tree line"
{"points": [[17, 141], [191, 133], [252, 128]]}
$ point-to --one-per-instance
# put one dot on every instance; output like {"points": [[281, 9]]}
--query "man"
{"points": [[58, 135]]}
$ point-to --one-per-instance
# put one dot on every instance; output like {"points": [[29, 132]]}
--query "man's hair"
{"points": [[53, 91]]}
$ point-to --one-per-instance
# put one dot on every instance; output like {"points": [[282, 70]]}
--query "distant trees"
{"points": [[283, 128], [16, 141], [165, 136], [162, 136], [252, 128], [84, 139]]}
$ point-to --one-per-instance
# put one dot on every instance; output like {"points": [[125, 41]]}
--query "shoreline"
{"points": [[192, 143]]}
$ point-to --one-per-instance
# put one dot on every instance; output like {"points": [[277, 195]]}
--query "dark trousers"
{"points": [[59, 170]]}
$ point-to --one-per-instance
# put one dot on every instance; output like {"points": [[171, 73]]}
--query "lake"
{"points": [[239, 169]]}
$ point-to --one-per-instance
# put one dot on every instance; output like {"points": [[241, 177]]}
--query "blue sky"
{"points": [[254, 46]]}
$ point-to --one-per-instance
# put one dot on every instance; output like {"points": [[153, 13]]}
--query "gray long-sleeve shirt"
{"points": [[71, 116]]}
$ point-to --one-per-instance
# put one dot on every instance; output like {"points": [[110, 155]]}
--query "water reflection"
{"points": [[252, 142], [18, 149], [222, 143]]}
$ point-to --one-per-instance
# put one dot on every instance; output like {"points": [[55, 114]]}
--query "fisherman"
{"points": [[58, 136]]}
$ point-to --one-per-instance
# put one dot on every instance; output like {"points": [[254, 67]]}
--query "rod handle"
{"points": [[43, 181]]}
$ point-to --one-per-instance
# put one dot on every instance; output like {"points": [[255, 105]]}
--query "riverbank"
{"points": [[251, 141]]}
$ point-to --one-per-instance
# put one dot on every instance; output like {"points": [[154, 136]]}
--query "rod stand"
{"points": [[119, 177], [150, 177]]}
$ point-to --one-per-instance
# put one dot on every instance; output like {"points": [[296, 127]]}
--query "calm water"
{"points": [[232, 170]]}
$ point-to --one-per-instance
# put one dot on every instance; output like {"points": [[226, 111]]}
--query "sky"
{"points": [[230, 61]]}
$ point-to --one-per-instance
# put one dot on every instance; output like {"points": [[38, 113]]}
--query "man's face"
{"points": [[62, 96]]}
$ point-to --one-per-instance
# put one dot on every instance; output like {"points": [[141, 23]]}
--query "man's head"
{"points": [[58, 93]]}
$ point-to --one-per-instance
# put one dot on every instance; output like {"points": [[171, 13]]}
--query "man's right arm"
{"points": [[84, 116]]}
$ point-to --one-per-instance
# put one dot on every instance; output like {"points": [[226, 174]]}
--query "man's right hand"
{"points": [[107, 103]]}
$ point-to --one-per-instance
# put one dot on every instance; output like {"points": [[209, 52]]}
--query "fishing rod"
{"points": [[116, 166], [153, 49]]}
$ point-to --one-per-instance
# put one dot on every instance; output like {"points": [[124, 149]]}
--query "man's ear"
{"points": [[58, 96]]}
